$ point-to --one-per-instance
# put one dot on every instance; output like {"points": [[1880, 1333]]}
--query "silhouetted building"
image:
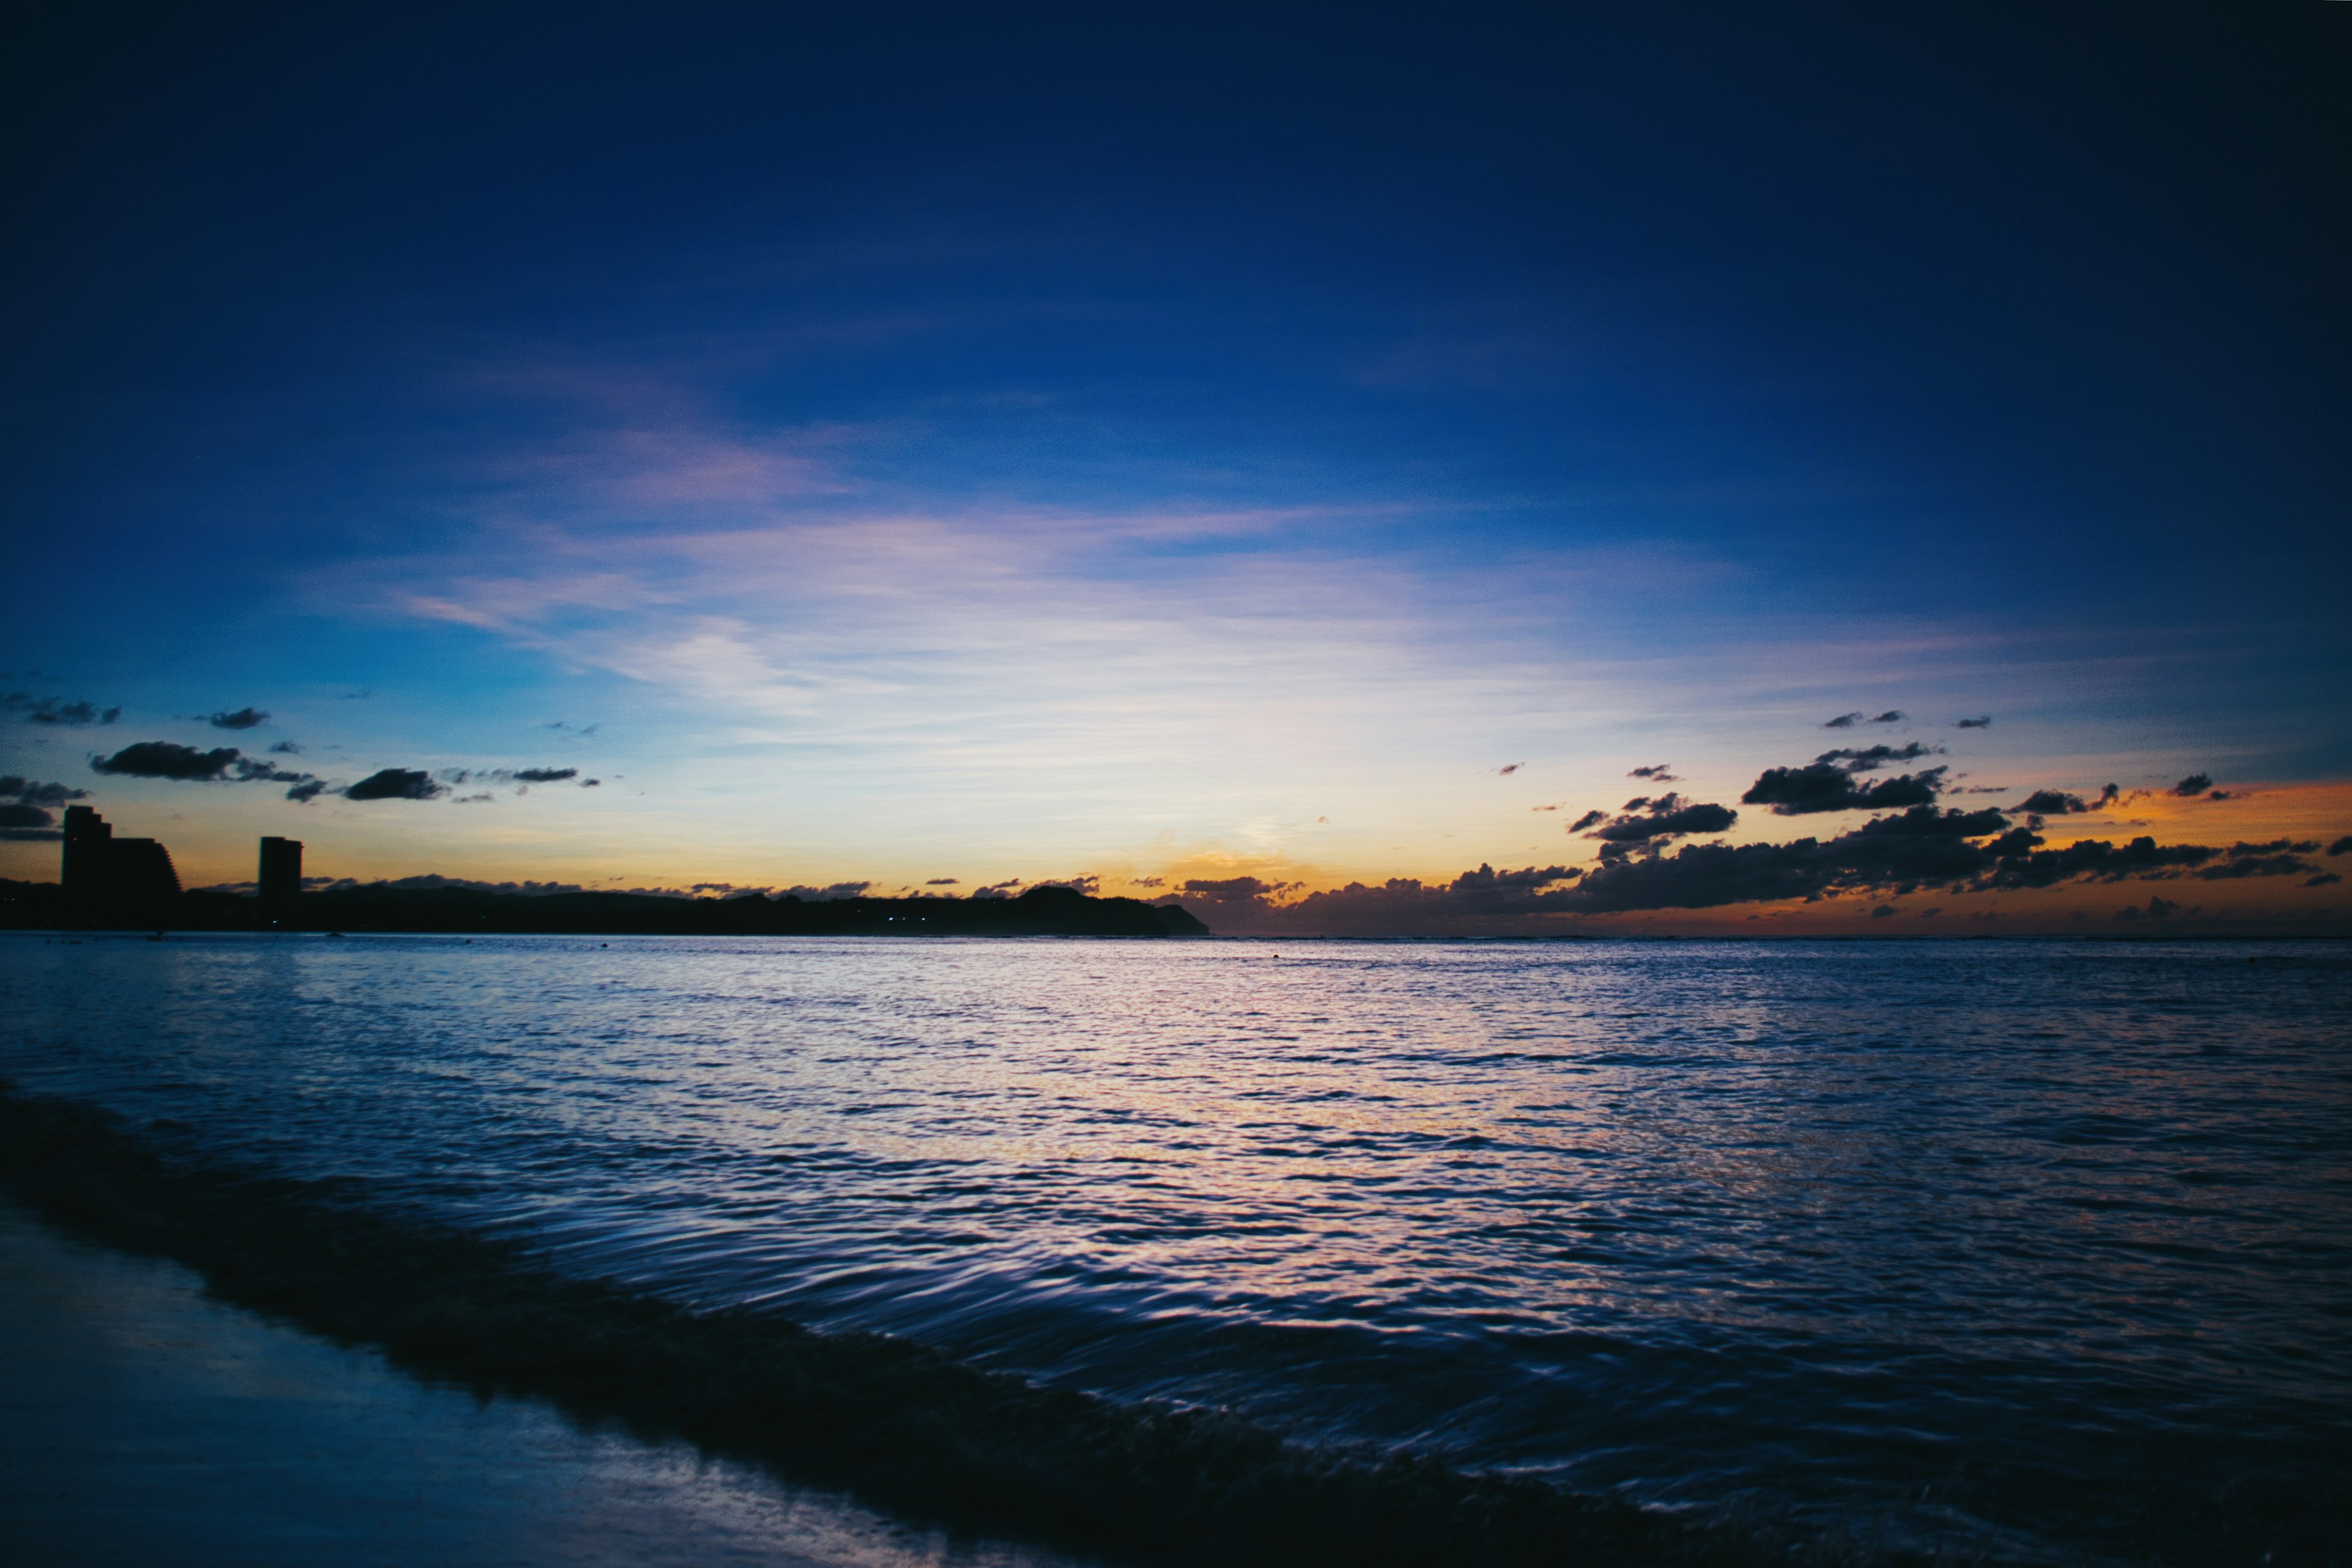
{"points": [[281, 868], [98, 864], [142, 870], [88, 843]]}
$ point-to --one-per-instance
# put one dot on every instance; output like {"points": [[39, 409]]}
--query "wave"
{"points": [[891, 1421]]}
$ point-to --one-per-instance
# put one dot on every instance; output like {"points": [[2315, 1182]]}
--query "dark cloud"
{"points": [[1656, 773], [2091, 859], [1884, 911], [831, 891], [168, 760], [1581, 823], [286, 748], [307, 791], [1509, 770], [253, 770], [577, 728], [2195, 784], [1848, 721], [222, 765], [1828, 786], [1400, 904], [1234, 889], [2157, 909], [243, 719], [396, 784], [2324, 877], [2279, 858], [19, 815], [57, 710], [522, 778], [1870, 759], [31, 792], [2051, 803], [942, 882], [2341, 846], [1981, 721], [1645, 822], [1920, 847], [1089, 883]]}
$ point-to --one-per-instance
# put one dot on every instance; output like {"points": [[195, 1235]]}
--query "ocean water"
{"points": [[2040, 1251]]}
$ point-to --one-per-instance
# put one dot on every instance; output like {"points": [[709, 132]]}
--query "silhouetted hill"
{"points": [[1040, 912]]}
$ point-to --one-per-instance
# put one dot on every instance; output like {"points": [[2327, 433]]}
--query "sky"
{"points": [[1233, 453]]}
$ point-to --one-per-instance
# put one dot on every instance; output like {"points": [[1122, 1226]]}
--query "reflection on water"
{"points": [[2032, 1245]]}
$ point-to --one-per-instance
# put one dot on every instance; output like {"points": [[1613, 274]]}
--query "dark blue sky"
{"points": [[1983, 358]]}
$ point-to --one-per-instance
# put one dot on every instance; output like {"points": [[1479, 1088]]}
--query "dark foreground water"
{"points": [[143, 1425], [2033, 1250]]}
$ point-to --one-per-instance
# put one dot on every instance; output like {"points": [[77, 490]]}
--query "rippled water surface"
{"points": [[2039, 1249]]}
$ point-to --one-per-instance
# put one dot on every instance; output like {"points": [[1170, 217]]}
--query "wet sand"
{"points": [[140, 1423]]}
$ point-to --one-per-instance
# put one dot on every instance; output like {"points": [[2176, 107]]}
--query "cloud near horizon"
{"points": [[1915, 845], [1950, 851]]}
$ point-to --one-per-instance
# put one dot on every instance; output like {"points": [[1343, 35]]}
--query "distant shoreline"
{"points": [[469, 912]]}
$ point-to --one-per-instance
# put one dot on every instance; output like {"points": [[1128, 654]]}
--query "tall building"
{"points": [[281, 868], [98, 864], [88, 844]]}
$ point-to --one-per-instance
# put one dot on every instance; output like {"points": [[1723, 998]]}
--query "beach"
{"points": [[142, 1423]]}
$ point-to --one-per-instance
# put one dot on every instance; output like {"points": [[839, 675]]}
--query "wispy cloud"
{"points": [[1226, 674]]}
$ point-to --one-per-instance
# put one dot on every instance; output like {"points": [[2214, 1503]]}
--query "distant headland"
{"points": [[1040, 912]]}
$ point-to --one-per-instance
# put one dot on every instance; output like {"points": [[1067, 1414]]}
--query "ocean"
{"points": [[2030, 1251]]}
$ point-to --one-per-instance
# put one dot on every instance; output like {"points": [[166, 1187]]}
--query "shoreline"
{"points": [[145, 1422], [892, 1423]]}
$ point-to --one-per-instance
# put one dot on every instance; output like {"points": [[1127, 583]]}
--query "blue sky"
{"points": [[936, 445]]}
